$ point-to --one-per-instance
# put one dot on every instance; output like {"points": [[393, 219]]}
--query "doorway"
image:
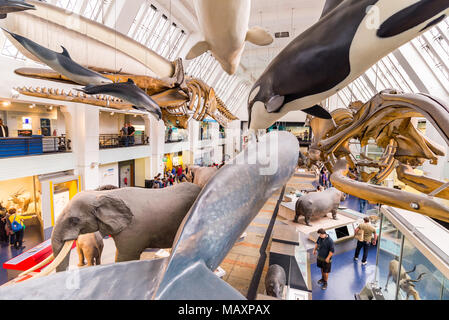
{"points": [[126, 174]]}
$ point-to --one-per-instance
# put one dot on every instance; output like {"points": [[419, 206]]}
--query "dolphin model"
{"points": [[214, 223], [127, 91], [9, 6], [350, 38], [61, 62], [224, 24]]}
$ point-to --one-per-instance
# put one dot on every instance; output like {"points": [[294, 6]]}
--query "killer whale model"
{"points": [[127, 91], [224, 24], [210, 229], [9, 6], [335, 51], [329, 6], [61, 62]]}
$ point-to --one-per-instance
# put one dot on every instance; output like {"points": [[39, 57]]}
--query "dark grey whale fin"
{"points": [[318, 111], [65, 53], [411, 17], [3, 16], [130, 81], [196, 284], [86, 89], [329, 6]]}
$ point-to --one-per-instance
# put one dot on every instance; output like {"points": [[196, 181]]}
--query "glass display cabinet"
{"points": [[416, 248]]}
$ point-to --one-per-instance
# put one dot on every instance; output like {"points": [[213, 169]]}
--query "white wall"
{"points": [[13, 115], [18, 167], [109, 174], [111, 124]]}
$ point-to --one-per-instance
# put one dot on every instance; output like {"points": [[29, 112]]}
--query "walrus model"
{"points": [[317, 204], [335, 51], [275, 281]]}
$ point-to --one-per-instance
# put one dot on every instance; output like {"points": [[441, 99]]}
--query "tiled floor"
{"points": [[241, 262]]}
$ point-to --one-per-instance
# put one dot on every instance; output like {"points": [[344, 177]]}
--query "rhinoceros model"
{"points": [[316, 204]]}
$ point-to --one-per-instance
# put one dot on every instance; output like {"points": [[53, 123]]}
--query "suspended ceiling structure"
{"points": [[170, 28]]}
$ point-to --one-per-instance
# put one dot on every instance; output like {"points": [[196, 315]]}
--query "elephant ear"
{"points": [[113, 214]]}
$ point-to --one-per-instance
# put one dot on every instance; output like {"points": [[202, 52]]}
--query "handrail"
{"points": [[252, 291]]}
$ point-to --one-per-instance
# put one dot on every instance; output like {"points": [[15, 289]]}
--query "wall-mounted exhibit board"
{"points": [[421, 246]]}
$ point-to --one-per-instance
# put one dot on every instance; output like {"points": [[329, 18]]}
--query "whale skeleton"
{"points": [[386, 118], [197, 100], [214, 223], [84, 38]]}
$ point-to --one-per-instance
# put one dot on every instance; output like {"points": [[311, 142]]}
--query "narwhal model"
{"points": [[224, 24], [10, 6], [350, 37], [95, 83]]}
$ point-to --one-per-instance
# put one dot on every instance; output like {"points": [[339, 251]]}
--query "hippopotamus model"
{"points": [[318, 204], [275, 281]]}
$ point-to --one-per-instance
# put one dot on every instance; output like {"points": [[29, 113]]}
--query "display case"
{"points": [[416, 248]]}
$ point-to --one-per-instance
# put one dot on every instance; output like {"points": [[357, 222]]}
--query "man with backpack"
{"points": [[18, 227]]}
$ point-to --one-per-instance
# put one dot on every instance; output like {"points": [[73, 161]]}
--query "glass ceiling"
{"points": [[398, 70], [432, 50]]}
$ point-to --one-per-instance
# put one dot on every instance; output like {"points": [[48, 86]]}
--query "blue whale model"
{"points": [[61, 62], [9, 6], [222, 211], [130, 92], [351, 37]]}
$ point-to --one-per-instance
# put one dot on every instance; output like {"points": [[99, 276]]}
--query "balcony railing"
{"points": [[34, 145], [177, 140], [109, 141]]}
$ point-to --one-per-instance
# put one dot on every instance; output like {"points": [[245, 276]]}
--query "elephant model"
{"points": [[89, 247], [316, 204], [135, 218], [275, 281]]}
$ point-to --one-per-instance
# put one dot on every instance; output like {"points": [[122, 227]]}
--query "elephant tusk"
{"points": [[39, 265], [64, 251]]}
